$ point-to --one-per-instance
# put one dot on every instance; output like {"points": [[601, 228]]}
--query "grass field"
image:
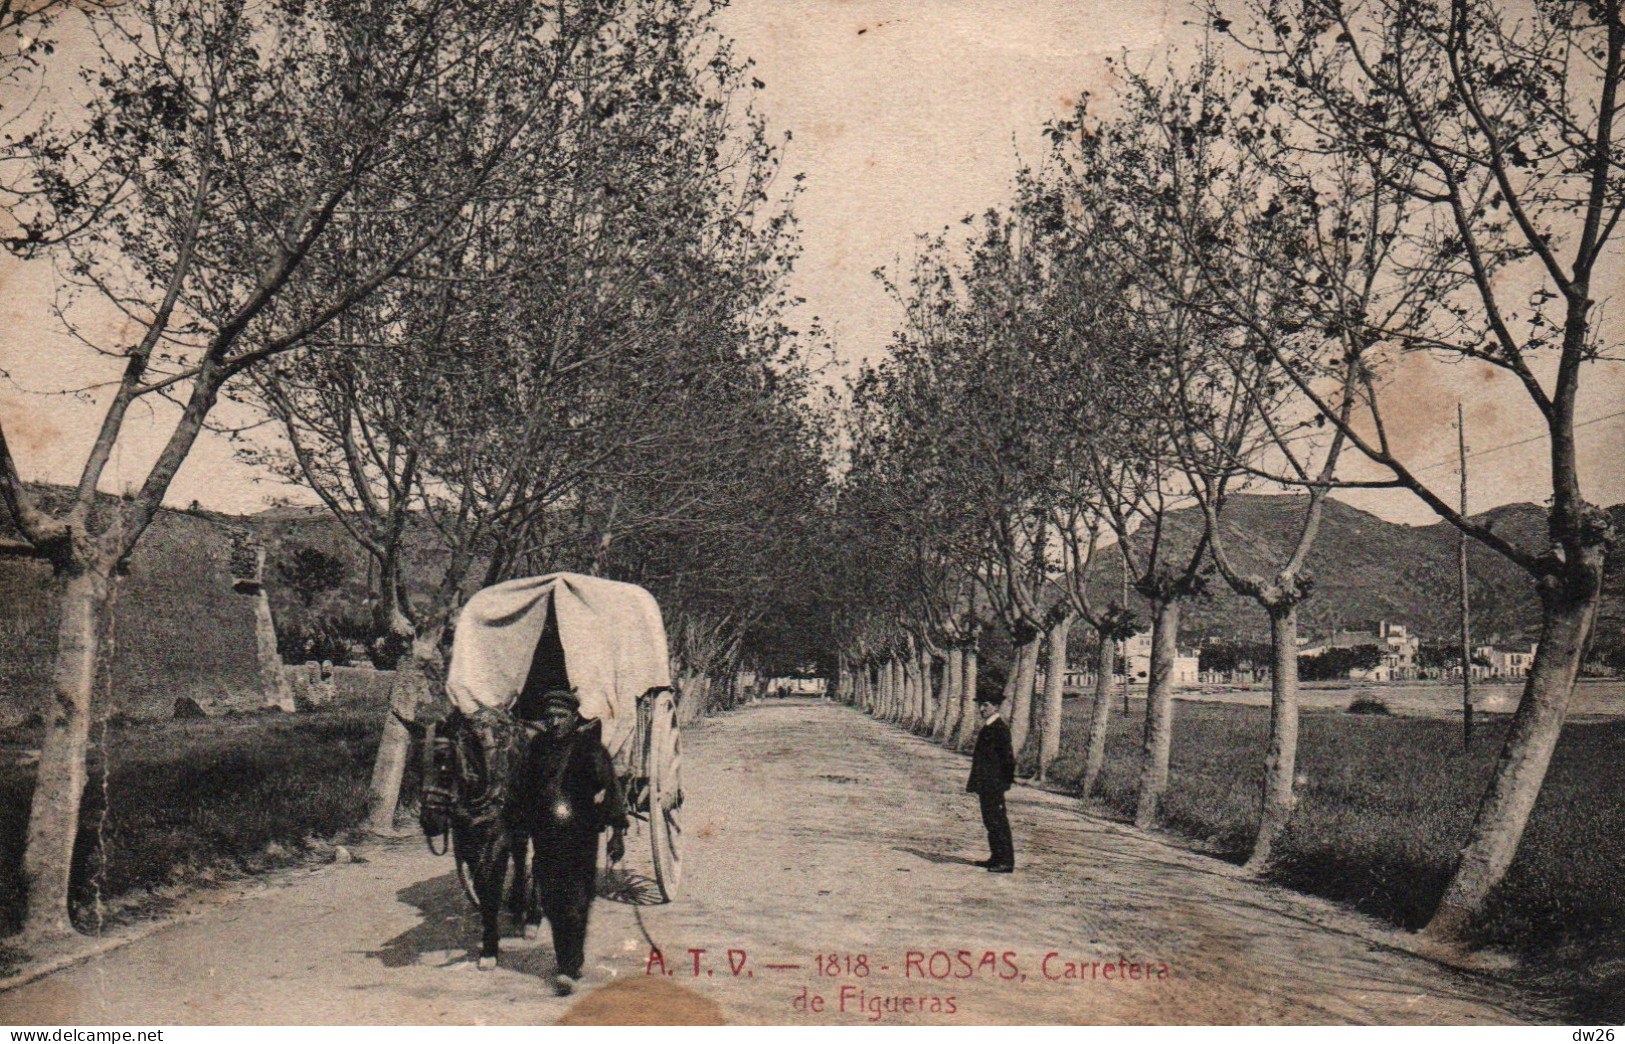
{"points": [[195, 802], [1384, 805]]}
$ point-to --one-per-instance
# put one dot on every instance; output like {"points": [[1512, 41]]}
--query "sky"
{"points": [[905, 116]]}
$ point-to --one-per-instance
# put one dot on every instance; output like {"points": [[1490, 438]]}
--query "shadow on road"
{"points": [[441, 904], [449, 930], [450, 933], [937, 857], [619, 884]]}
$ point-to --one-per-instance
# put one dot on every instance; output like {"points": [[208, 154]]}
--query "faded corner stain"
{"points": [[643, 1002], [30, 427]]}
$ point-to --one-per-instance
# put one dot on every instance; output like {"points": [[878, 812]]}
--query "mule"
{"points": [[469, 772]]}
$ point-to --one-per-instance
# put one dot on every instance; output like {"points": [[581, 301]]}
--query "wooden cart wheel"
{"points": [[664, 759]]}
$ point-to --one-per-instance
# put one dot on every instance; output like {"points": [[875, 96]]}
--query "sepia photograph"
{"points": [[819, 513]]}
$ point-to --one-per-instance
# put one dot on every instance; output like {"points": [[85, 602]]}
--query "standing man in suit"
{"points": [[992, 772], [571, 795]]}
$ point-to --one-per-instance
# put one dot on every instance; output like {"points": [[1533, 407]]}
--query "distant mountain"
{"points": [[1367, 569]]}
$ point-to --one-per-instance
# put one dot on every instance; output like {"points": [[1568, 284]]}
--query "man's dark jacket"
{"points": [[571, 789], [993, 765]]}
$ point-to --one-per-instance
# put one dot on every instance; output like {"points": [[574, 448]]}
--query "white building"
{"points": [[1399, 649], [1136, 656], [1507, 661]]}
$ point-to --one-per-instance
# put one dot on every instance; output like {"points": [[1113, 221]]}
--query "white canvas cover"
{"points": [[613, 638]]}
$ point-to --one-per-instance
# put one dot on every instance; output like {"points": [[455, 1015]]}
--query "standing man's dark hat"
{"points": [[988, 691]]}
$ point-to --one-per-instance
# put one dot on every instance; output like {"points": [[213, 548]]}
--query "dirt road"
{"points": [[831, 854]]}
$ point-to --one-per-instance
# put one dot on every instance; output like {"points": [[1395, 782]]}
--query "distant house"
{"points": [[1507, 661], [1398, 647], [1136, 656]]}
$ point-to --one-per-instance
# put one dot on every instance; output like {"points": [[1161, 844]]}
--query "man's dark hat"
{"points": [[989, 692], [561, 697]]}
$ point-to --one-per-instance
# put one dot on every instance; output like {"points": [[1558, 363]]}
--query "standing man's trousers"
{"points": [[998, 828], [566, 872]]}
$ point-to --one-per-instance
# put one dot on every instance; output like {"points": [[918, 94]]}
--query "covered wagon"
{"points": [[604, 641]]}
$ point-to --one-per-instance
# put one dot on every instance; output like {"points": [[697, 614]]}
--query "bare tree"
{"points": [[1111, 184], [1087, 477], [533, 385], [1214, 242], [245, 149], [1500, 128]]}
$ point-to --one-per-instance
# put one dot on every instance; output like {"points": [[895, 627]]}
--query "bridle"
{"points": [[459, 741]]}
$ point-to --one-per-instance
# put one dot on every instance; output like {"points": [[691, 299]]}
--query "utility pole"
{"points": [[1122, 659], [1466, 614]]}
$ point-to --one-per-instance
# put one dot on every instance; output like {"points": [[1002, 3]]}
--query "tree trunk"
{"points": [[1024, 665], [274, 691], [1281, 762], [53, 820], [953, 675], [412, 690], [921, 681], [1566, 621], [1159, 711], [1101, 714], [1049, 745], [916, 691], [928, 698], [967, 700]]}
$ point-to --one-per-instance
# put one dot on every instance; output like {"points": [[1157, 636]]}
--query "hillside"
{"points": [[179, 628], [1366, 568]]}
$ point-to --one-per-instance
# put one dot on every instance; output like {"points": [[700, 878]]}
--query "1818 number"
{"points": [[853, 966]]}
